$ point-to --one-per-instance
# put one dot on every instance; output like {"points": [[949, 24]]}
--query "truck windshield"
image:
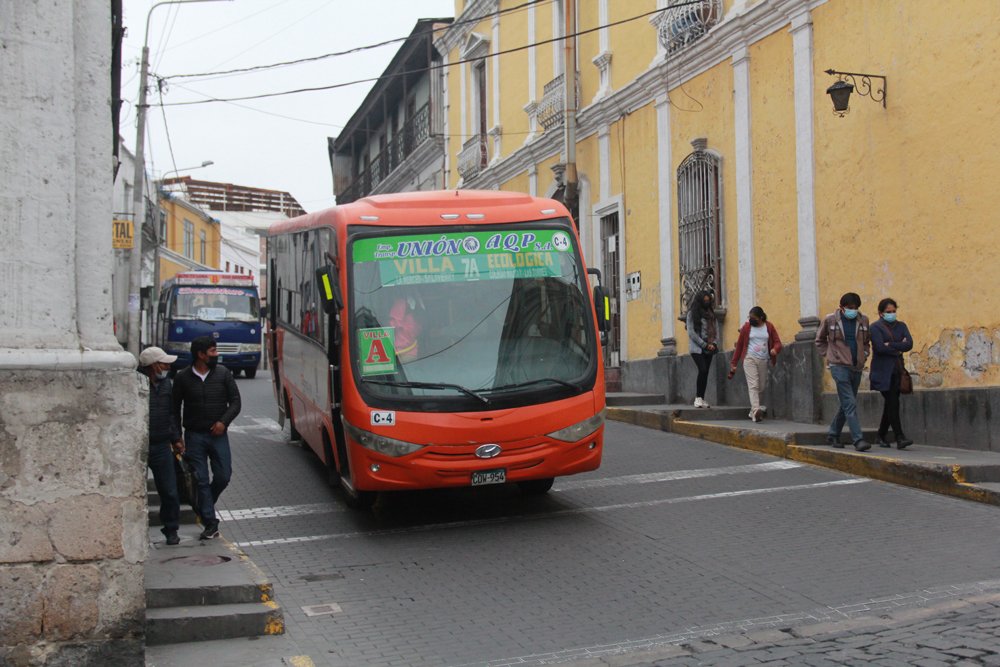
{"points": [[470, 314], [216, 304]]}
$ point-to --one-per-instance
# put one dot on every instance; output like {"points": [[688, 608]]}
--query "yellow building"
{"points": [[708, 154], [190, 238]]}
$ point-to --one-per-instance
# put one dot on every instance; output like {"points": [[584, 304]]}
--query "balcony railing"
{"points": [[473, 157], [687, 23], [551, 111], [413, 133]]}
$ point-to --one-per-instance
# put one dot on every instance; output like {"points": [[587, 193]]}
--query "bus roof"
{"points": [[418, 209]]}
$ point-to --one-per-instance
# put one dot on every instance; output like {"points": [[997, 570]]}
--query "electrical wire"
{"points": [[166, 129], [358, 49], [429, 68], [228, 25]]}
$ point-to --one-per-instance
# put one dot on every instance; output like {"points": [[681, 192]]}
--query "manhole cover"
{"points": [[199, 561]]}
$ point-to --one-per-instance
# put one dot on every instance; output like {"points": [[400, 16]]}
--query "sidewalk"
{"points": [[968, 474]]}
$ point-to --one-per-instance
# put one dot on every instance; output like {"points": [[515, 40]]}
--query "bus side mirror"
{"points": [[161, 308], [263, 312], [602, 306], [329, 288]]}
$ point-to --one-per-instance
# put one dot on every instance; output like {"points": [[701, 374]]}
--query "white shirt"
{"points": [[757, 346], [203, 377]]}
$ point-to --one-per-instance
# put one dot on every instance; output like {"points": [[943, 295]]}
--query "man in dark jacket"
{"points": [[210, 401], [164, 437]]}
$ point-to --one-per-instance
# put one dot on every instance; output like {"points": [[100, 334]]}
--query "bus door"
{"points": [[328, 289], [271, 339]]}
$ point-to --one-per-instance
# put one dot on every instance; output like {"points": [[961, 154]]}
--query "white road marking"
{"points": [[549, 515], [671, 475], [256, 426], [564, 485]]}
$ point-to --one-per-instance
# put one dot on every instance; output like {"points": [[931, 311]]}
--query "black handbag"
{"points": [[187, 481]]}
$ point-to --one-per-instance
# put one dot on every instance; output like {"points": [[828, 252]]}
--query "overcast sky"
{"points": [[278, 143]]}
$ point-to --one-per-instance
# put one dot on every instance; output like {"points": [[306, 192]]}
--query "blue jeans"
{"points": [[848, 380], [161, 462], [202, 448]]}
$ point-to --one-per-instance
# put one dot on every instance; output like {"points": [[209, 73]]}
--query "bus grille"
{"points": [[228, 348]]}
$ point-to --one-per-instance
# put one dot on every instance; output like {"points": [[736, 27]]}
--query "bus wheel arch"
{"points": [[536, 487], [293, 433], [332, 469]]}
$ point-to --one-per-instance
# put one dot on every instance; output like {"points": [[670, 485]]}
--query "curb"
{"points": [[949, 480]]}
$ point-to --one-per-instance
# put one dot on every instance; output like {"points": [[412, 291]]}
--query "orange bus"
{"points": [[437, 339]]}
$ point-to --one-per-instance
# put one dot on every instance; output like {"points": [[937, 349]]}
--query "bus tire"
{"points": [[536, 487], [293, 433], [358, 500], [332, 474], [251, 373]]}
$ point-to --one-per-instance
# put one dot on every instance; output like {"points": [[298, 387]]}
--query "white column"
{"points": [[558, 25], [463, 72], [604, 162], [533, 180], [744, 181], [495, 48], [664, 182], [445, 124], [532, 82], [805, 175]]}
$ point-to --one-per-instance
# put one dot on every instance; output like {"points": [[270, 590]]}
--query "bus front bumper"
{"points": [[440, 466]]}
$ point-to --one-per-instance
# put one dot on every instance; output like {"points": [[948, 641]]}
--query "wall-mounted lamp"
{"points": [[840, 91]]}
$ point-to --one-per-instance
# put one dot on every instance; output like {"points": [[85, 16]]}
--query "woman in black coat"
{"points": [[890, 338]]}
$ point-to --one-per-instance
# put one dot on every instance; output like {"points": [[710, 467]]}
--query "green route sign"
{"points": [[378, 350], [466, 256]]}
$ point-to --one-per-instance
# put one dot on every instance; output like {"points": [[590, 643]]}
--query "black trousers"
{"points": [[890, 410], [703, 362]]}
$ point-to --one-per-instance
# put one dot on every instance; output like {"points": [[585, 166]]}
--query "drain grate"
{"points": [[321, 577]]}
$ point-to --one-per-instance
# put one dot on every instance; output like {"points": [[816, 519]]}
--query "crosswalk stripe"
{"points": [[549, 515]]}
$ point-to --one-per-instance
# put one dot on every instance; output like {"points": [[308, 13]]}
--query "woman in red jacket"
{"points": [[758, 343]]}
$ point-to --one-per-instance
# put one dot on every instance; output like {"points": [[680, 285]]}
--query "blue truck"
{"points": [[225, 306]]}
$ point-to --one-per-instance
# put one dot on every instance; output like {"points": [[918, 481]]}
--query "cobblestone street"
{"points": [[675, 551]]}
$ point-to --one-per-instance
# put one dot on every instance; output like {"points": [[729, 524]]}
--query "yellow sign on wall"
{"points": [[122, 235]]}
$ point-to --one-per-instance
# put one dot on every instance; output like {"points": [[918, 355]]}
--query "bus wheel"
{"points": [[332, 474], [357, 500], [251, 373], [293, 434], [536, 487]]}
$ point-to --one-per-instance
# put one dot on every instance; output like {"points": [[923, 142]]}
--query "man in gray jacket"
{"points": [[164, 437], [844, 340]]}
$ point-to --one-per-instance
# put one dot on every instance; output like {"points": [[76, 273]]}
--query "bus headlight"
{"points": [[246, 348], [380, 443], [174, 346], [580, 430]]}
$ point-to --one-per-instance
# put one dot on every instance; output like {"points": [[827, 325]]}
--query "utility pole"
{"points": [[571, 196], [138, 185]]}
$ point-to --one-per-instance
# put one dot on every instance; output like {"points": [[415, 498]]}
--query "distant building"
{"points": [[394, 142], [243, 214], [190, 238]]}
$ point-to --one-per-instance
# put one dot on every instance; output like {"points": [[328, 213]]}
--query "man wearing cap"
{"points": [[164, 437], [211, 402]]}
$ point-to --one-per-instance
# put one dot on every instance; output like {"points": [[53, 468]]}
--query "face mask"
{"points": [[754, 322], [889, 317], [212, 362], [162, 375], [850, 313]]}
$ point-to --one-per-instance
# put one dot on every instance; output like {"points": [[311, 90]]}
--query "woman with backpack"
{"points": [[703, 332]]}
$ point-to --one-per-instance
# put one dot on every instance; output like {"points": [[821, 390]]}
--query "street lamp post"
{"points": [[135, 259], [157, 241]]}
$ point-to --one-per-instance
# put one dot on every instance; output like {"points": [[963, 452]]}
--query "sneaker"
{"points": [[751, 415], [210, 533], [756, 415], [902, 443], [882, 442], [763, 409], [699, 402], [862, 446], [172, 538], [834, 442]]}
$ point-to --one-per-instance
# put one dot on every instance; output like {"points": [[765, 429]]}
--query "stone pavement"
{"points": [[963, 473], [958, 631]]}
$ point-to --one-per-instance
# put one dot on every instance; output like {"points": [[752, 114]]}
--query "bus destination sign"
{"points": [[466, 256]]}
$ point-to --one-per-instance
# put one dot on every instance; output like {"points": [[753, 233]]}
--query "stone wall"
{"points": [[72, 412]]}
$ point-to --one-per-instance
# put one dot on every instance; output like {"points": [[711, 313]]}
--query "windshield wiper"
{"points": [[518, 385], [202, 319], [430, 385]]}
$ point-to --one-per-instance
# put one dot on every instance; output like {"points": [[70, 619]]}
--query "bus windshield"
{"points": [[215, 304], [470, 314]]}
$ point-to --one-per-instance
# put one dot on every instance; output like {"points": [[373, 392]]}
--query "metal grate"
{"points": [[610, 242], [699, 186], [684, 22], [228, 348], [473, 157]]}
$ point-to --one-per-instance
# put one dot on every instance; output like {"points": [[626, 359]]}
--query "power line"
{"points": [[431, 67], [358, 49]]}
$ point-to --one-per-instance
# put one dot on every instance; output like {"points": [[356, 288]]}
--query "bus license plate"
{"points": [[482, 477]]}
